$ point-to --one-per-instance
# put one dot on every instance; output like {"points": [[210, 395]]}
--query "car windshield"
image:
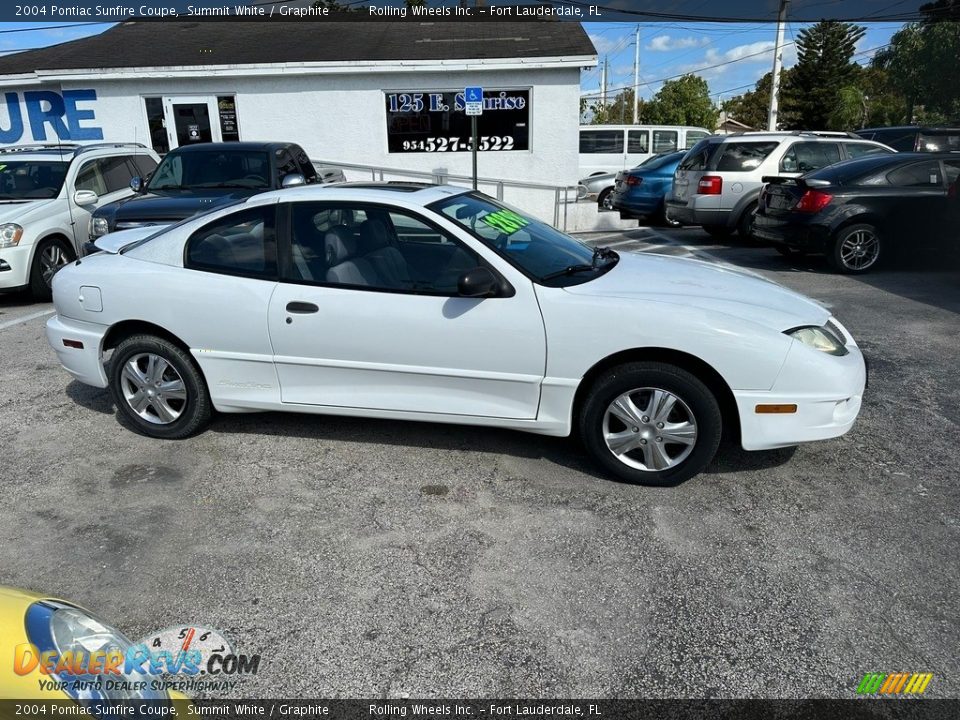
{"points": [[197, 169], [31, 179], [545, 254]]}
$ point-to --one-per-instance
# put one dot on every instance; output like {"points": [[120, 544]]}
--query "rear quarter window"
{"points": [[743, 156], [698, 156]]}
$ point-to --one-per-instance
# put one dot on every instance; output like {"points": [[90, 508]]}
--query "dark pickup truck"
{"points": [[198, 178]]}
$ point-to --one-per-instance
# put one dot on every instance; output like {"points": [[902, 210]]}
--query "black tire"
{"points": [[837, 251], [695, 399], [745, 223], [40, 275], [717, 231], [194, 410], [604, 201]]}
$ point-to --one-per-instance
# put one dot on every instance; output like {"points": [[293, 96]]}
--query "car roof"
{"points": [[404, 193], [868, 163], [826, 136], [232, 145], [69, 150], [918, 128]]}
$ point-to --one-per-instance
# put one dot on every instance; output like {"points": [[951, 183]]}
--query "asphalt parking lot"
{"points": [[381, 559]]}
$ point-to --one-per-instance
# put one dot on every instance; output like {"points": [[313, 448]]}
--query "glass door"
{"points": [[191, 119]]}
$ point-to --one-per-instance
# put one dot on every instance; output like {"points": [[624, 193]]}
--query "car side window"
{"points": [[116, 172], [665, 141], [953, 173], [243, 243], [373, 248], [855, 150], [89, 177], [144, 164], [638, 141], [804, 157], [286, 165], [921, 174], [597, 142]]}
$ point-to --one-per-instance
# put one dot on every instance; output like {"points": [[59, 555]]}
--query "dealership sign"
{"points": [[436, 121], [48, 116]]}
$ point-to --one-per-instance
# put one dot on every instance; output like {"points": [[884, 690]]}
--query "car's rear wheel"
{"points": [[158, 388], [51, 255], [605, 200], [717, 231], [651, 423], [745, 224], [855, 249]]}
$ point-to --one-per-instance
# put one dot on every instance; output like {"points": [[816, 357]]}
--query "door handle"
{"points": [[301, 308]]}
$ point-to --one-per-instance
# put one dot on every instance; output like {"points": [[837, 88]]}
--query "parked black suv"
{"points": [[198, 178], [915, 138]]}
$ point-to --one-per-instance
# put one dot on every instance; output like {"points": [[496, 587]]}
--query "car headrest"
{"points": [[339, 245], [374, 235]]}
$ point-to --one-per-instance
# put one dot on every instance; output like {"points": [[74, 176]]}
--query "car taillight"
{"points": [[633, 180], [813, 201], [710, 185]]}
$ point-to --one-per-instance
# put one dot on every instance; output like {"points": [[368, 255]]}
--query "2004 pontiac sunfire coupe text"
{"points": [[434, 303]]}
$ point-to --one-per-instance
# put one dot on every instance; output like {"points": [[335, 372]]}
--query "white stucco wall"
{"points": [[342, 117]]}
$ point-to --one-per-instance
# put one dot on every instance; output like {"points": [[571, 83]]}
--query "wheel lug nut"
{"points": [[660, 425], [636, 429], [643, 442], [659, 439], [645, 418]]}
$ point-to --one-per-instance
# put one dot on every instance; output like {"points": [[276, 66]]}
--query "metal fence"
{"points": [[560, 195]]}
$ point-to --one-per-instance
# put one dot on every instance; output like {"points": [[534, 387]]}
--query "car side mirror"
{"points": [[82, 198], [478, 283], [292, 180], [136, 183]]}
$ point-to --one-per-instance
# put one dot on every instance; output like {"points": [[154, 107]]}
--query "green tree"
{"points": [[824, 71], [618, 111], [752, 107], [685, 101], [921, 64], [885, 104]]}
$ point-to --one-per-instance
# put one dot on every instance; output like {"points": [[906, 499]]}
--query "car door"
{"points": [[109, 178], [367, 315], [917, 204]]}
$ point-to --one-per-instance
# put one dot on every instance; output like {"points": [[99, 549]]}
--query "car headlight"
{"points": [[10, 234], [62, 629], [99, 227], [819, 338]]}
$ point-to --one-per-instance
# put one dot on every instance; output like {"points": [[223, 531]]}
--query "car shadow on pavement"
{"points": [[565, 452]]}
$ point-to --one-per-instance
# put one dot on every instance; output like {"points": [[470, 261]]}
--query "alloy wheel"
{"points": [[52, 258], [649, 429], [859, 250], [153, 388]]}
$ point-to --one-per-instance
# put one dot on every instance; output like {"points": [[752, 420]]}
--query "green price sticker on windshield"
{"points": [[506, 221]]}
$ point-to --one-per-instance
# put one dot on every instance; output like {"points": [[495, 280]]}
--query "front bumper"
{"points": [[828, 392], [15, 266], [86, 363]]}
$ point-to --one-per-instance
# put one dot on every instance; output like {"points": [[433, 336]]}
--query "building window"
{"points": [[158, 128]]}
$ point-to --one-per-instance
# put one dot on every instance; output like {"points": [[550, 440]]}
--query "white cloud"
{"points": [[665, 43], [605, 44], [755, 53]]}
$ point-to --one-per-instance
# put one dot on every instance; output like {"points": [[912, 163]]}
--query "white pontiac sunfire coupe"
{"points": [[435, 303]]}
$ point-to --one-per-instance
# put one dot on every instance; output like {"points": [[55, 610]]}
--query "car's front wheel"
{"points": [[651, 423], [51, 255], [158, 388]]}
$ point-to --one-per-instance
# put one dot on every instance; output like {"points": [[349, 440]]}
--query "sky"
{"points": [[731, 57]]}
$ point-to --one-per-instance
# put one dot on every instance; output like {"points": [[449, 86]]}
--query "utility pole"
{"points": [[777, 67], [603, 83], [636, 77]]}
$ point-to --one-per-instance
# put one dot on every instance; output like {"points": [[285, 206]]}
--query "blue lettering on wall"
{"points": [[49, 110], [15, 131]]}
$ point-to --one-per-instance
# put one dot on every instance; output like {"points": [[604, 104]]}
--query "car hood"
{"points": [[15, 210], [712, 287], [173, 205]]}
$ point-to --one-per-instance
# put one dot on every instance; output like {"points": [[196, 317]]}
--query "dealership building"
{"points": [[379, 94]]}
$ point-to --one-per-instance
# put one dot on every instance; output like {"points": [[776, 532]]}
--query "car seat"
{"points": [[345, 266], [387, 260]]}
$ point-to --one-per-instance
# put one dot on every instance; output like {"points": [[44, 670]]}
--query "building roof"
{"points": [[178, 44]]}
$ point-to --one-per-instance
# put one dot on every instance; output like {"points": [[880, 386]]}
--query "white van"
{"points": [[612, 148]]}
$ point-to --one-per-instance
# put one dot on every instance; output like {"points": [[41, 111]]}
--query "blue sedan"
{"points": [[641, 191]]}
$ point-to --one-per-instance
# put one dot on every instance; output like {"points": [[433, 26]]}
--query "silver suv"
{"points": [[719, 180]]}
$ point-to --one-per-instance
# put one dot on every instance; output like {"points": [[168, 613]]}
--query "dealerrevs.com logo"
{"points": [[901, 683], [189, 659]]}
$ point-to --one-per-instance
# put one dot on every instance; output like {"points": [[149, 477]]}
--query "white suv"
{"points": [[718, 182], [47, 193]]}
